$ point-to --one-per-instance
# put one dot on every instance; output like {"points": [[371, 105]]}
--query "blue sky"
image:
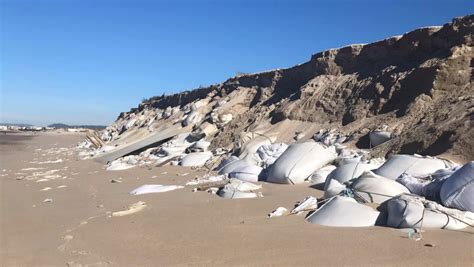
{"points": [[83, 62]]}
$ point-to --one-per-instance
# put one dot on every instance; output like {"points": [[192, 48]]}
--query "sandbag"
{"points": [[458, 189], [237, 189], [415, 165], [196, 159], [333, 188], [192, 118], [299, 161], [249, 173], [344, 212], [405, 211], [379, 137], [268, 154], [234, 164], [377, 189], [320, 176], [348, 172], [251, 146]]}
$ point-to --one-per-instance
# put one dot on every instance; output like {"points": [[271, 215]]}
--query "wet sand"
{"points": [[177, 227]]}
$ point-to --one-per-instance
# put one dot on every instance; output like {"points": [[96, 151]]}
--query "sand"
{"points": [[178, 227]]}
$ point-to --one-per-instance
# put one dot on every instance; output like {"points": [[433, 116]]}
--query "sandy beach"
{"points": [[55, 211]]}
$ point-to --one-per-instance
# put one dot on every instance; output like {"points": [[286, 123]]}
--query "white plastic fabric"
{"points": [[405, 211], [379, 137], [458, 189], [196, 159], [299, 161], [320, 176], [249, 173], [232, 164], [415, 165], [333, 188], [237, 189], [377, 189], [154, 188], [251, 146], [348, 172], [268, 154], [344, 212]]}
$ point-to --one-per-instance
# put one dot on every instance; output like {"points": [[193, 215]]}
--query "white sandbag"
{"points": [[348, 172], [414, 165], [238, 189], [378, 137], [320, 176], [458, 189], [234, 164], [377, 189], [299, 161], [268, 154], [249, 173], [333, 188], [308, 203], [154, 188], [250, 147], [196, 159], [344, 212], [194, 117], [201, 145], [406, 211]]}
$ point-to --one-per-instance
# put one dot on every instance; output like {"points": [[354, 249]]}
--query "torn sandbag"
{"points": [[320, 176], [377, 189], [238, 189], [199, 146], [299, 161], [308, 203], [408, 211], [379, 137], [195, 159], [428, 186], [415, 165], [154, 188], [251, 142], [268, 154], [458, 189], [344, 212], [194, 117], [348, 172], [249, 173], [329, 137]]}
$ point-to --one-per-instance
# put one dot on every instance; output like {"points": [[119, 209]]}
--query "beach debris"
{"points": [[154, 188], [47, 162], [213, 190], [134, 208], [280, 211], [116, 181], [239, 189], [308, 203], [61, 186], [206, 180], [46, 189], [48, 200]]}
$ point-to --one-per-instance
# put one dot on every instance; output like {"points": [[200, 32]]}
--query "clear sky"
{"points": [[83, 62]]}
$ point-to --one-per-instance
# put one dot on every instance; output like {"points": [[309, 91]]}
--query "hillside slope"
{"points": [[418, 85]]}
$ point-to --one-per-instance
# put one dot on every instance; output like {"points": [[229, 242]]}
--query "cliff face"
{"points": [[418, 84]]}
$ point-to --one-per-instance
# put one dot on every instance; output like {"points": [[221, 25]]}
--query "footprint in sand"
{"points": [[134, 208]]}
